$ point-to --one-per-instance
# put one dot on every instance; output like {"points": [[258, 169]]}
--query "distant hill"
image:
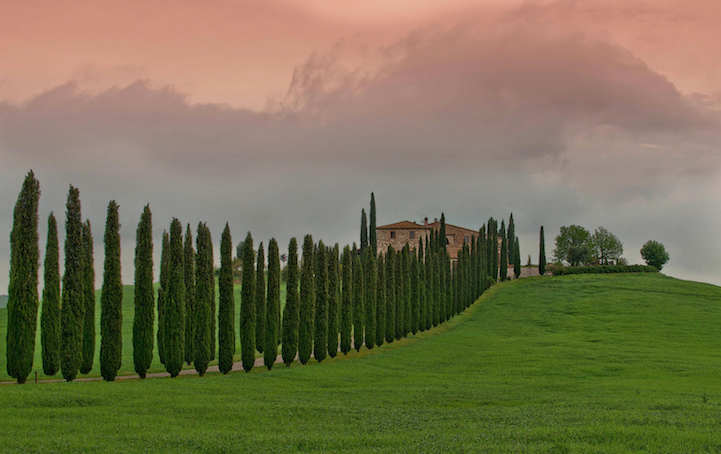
{"points": [[3, 301]]}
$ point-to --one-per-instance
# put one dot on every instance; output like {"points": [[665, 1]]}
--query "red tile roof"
{"points": [[403, 225]]}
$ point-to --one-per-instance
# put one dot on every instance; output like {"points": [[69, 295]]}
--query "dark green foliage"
{"points": [[436, 278], [111, 299], [346, 314], [380, 328], [333, 302], [482, 259], [174, 318], [542, 254], [603, 269], [415, 294], [320, 346], [291, 310], [272, 320], [573, 245], [442, 240], [247, 307], [406, 290], [189, 295], [358, 307], [86, 365], [390, 294], [516, 259], [421, 287], [73, 306], [307, 302], [50, 317], [370, 275], [212, 290], [260, 303], [22, 305], [144, 318], [226, 305], [654, 253], [511, 236], [493, 253], [162, 292], [401, 270], [504, 254], [364, 231], [202, 306], [373, 233]]}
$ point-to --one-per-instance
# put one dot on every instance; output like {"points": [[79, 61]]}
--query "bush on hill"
{"points": [[602, 269]]}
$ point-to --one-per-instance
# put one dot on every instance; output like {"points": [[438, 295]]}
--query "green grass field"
{"points": [[591, 363]]}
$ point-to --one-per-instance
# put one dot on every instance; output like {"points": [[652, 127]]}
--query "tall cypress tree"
{"points": [[428, 278], [504, 254], [226, 306], [511, 237], [380, 328], [407, 316], [373, 233], [364, 230], [390, 284], [436, 276], [291, 310], [210, 276], [272, 312], [483, 257], [175, 303], [189, 295], [401, 271], [495, 254], [22, 308], [333, 306], [542, 254], [50, 317], [442, 240], [260, 302], [370, 275], [73, 307], [247, 306], [346, 314], [421, 287], [111, 299], [162, 292], [144, 299], [202, 313], [307, 302], [358, 309], [516, 259], [320, 346], [415, 294], [86, 364]]}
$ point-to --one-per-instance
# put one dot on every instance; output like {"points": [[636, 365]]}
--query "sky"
{"points": [[281, 117]]}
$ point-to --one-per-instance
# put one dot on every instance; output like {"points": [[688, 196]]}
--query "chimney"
{"points": [[425, 221], [435, 220]]}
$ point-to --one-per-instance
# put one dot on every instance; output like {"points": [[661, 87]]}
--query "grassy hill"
{"points": [[593, 363]]}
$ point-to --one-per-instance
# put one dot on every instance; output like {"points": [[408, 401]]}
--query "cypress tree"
{"points": [[421, 287], [144, 299], [189, 295], [73, 306], [407, 316], [504, 254], [373, 234], [428, 278], [415, 294], [210, 276], [202, 313], [358, 294], [436, 289], [346, 315], [247, 307], [162, 292], [380, 328], [111, 299], [390, 285], [333, 287], [175, 303], [495, 254], [483, 267], [511, 237], [226, 306], [401, 271], [542, 254], [307, 302], [516, 259], [260, 302], [370, 275], [473, 264], [291, 311], [50, 317], [22, 308], [364, 231], [320, 346], [86, 364], [273, 305], [442, 240]]}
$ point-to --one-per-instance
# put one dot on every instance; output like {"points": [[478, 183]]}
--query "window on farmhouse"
{"points": [[413, 234], [466, 239], [393, 235]]}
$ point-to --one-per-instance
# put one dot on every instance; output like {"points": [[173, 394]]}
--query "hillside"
{"points": [[594, 363]]}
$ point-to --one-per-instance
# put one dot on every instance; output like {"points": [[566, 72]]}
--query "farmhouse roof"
{"points": [[403, 225]]}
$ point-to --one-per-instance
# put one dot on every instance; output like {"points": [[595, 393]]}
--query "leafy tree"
{"points": [[22, 307], [111, 299], [86, 364], [162, 292], [204, 292], [73, 307], [50, 317], [380, 328], [260, 299], [320, 345], [390, 284], [358, 296], [606, 246], [346, 315], [542, 254], [247, 306], [175, 303], [573, 245], [654, 253], [226, 306], [333, 306], [364, 231], [189, 295], [272, 320], [307, 302], [370, 275], [144, 318], [504, 254], [291, 310], [373, 233]]}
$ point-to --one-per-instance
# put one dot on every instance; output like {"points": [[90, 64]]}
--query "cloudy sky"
{"points": [[280, 117]]}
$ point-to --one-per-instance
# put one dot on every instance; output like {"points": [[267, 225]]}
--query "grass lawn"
{"points": [[585, 363]]}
